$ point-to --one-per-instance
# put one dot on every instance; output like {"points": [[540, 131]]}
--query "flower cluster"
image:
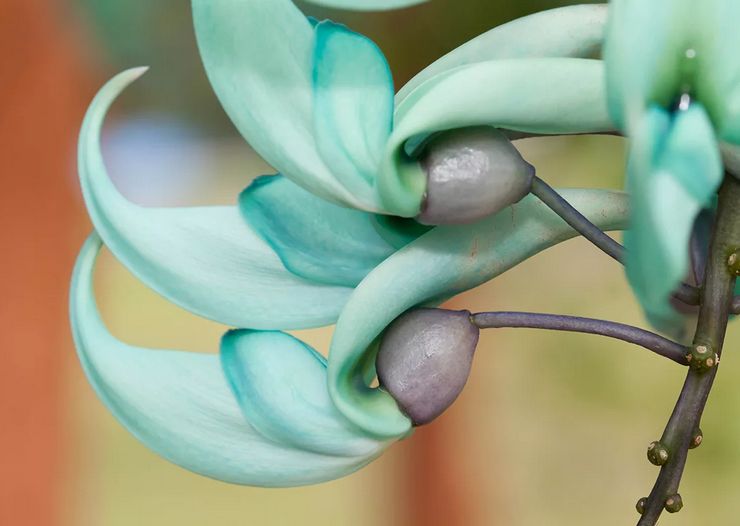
{"points": [[384, 202]]}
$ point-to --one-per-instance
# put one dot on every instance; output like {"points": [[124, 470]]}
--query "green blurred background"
{"points": [[551, 429]]}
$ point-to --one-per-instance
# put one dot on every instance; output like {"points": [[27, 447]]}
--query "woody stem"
{"points": [[716, 300]]}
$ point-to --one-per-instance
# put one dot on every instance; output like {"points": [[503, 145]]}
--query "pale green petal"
{"points": [[546, 95], [205, 259], [367, 5], [259, 58], [572, 31], [692, 154], [674, 170], [441, 263], [280, 384], [719, 73], [398, 231], [353, 106], [660, 49], [315, 239], [645, 55], [180, 405]]}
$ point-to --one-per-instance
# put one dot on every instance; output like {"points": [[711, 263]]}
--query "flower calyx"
{"points": [[471, 173], [424, 360]]}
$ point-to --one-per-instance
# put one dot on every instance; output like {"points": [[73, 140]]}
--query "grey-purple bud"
{"points": [[424, 360], [471, 173]]}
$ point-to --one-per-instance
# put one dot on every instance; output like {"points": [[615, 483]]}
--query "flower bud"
{"points": [[424, 360], [640, 506], [471, 173]]}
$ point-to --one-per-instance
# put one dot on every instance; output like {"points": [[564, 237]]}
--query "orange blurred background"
{"points": [[550, 430]]}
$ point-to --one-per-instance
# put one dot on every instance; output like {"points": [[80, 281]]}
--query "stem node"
{"points": [[733, 262], [702, 357], [682, 431], [697, 439], [657, 453], [640, 506], [674, 503]]}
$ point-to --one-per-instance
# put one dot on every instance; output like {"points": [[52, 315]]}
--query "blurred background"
{"points": [[551, 429]]}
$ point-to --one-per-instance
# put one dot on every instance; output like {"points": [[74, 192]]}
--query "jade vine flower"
{"points": [[330, 240], [674, 88]]}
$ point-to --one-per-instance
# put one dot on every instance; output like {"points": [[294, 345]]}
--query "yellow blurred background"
{"points": [[551, 429]]}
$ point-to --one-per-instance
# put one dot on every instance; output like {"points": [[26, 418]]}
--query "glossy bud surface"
{"points": [[424, 360], [471, 173]]}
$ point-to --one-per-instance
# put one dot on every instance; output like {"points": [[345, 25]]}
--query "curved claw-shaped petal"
{"points": [[674, 170], [657, 54], [315, 239], [205, 259], [179, 404], [367, 5], [280, 383], [656, 51], [545, 95], [353, 106], [260, 58], [645, 48], [573, 31], [439, 264]]}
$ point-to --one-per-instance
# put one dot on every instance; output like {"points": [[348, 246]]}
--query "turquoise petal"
{"points": [[353, 106], [719, 73], [692, 154], [205, 259], [674, 170], [573, 31], [441, 263], [180, 405], [398, 231], [367, 5], [315, 239], [645, 55], [539, 95], [657, 50], [280, 384], [258, 55]]}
